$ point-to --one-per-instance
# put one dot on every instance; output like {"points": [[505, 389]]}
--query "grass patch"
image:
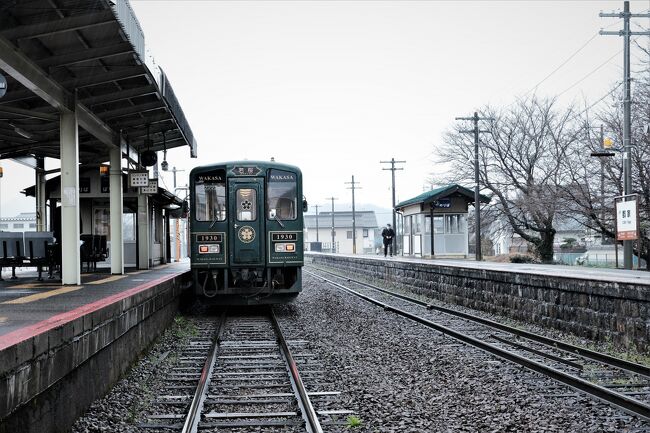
{"points": [[353, 421], [183, 329]]}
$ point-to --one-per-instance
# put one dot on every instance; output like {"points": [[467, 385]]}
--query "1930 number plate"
{"points": [[284, 236], [217, 237]]}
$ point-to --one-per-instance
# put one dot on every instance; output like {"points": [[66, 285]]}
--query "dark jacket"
{"points": [[388, 234]]}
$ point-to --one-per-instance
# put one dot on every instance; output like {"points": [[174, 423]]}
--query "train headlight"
{"points": [[285, 247], [209, 249]]}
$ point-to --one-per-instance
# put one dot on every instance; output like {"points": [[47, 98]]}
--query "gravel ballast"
{"points": [[396, 375]]}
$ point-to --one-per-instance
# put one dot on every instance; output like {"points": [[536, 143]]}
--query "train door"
{"points": [[247, 228]]}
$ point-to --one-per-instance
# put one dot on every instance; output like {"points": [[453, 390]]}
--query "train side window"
{"points": [[246, 204], [282, 195], [210, 201]]}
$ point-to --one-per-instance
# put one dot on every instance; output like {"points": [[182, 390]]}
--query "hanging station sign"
{"points": [[139, 178], [627, 218], [151, 188]]}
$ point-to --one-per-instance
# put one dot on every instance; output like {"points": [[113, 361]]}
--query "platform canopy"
{"points": [[86, 56]]}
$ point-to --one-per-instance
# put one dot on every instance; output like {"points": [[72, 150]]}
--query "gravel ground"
{"points": [[402, 377], [397, 376]]}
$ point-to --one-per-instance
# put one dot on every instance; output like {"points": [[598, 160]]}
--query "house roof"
{"points": [[363, 219], [442, 192]]}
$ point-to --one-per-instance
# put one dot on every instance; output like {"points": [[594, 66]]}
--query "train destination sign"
{"points": [[3, 85], [243, 170]]}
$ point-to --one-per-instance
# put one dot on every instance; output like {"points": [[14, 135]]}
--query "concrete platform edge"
{"points": [[51, 375]]}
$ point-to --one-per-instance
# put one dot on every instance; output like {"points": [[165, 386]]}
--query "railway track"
{"points": [[240, 373], [618, 382]]}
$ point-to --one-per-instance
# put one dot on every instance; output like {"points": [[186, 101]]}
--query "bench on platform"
{"points": [[93, 249], [28, 249]]}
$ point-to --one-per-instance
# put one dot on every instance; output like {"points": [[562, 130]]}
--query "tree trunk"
{"points": [[545, 247]]}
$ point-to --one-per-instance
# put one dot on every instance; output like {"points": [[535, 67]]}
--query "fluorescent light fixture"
{"points": [[23, 133]]}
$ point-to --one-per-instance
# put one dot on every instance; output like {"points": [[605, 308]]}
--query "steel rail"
{"points": [[630, 405], [586, 353], [193, 418], [310, 415]]}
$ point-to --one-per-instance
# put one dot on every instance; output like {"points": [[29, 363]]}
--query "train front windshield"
{"points": [[210, 198], [282, 195]]}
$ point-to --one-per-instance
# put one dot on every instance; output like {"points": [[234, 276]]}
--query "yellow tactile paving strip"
{"points": [[108, 279], [44, 295]]}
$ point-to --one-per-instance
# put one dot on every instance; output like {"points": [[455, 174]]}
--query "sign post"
{"points": [[627, 218]]}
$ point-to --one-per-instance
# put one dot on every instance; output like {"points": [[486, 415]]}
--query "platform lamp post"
{"points": [[606, 151]]}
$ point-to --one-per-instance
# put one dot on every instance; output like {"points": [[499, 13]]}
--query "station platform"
{"points": [[603, 305], [634, 276], [28, 306], [61, 347]]}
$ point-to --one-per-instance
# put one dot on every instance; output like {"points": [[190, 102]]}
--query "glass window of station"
{"points": [[282, 195], [210, 196]]}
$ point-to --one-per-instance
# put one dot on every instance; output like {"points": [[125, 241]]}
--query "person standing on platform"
{"points": [[388, 234]]}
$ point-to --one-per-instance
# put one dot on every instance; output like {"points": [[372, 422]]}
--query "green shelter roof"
{"points": [[442, 192]]}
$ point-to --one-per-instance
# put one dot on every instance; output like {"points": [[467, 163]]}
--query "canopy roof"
{"points": [[87, 56], [453, 190]]}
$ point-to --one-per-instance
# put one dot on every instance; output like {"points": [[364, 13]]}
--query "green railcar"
{"points": [[246, 232]]}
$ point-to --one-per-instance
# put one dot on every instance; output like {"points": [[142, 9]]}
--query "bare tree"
{"points": [[520, 164], [590, 184]]}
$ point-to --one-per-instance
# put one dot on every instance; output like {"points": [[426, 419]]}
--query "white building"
{"points": [[23, 222], [318, 232]]}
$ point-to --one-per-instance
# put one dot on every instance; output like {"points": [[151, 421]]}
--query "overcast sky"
{"points": [[336, 86]]}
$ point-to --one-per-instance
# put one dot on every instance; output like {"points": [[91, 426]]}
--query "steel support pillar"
{"points": [[70, 254], [116, 211], [144, 232], [41, 205]]}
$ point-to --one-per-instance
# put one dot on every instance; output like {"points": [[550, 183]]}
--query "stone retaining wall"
{"points": [[595, 309], [48, 380]]}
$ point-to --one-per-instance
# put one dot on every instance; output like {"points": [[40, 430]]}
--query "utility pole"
{"points": [[392, 168], [477, 197], [175, 171], [627, 123], [332, 198], [354, 223], [316, 206]]}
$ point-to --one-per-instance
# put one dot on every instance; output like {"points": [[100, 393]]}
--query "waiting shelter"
{"points": [[447, 206], [149, 234]]}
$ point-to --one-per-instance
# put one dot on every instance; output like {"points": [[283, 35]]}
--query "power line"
{"points": [[589, 74]]}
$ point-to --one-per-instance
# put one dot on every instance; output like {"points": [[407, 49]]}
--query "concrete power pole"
{"points": [[627, 123], [477, 197], [333, 249], [316, 206], [354, 223], [392, 168]]}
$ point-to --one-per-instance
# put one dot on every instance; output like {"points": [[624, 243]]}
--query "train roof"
{"points": [[246, 162]]}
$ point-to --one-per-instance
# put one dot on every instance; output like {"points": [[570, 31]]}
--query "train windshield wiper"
{"points": [[275, 217]]}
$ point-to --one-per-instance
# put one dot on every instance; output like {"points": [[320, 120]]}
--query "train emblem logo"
{"points": [[246, 234]]}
